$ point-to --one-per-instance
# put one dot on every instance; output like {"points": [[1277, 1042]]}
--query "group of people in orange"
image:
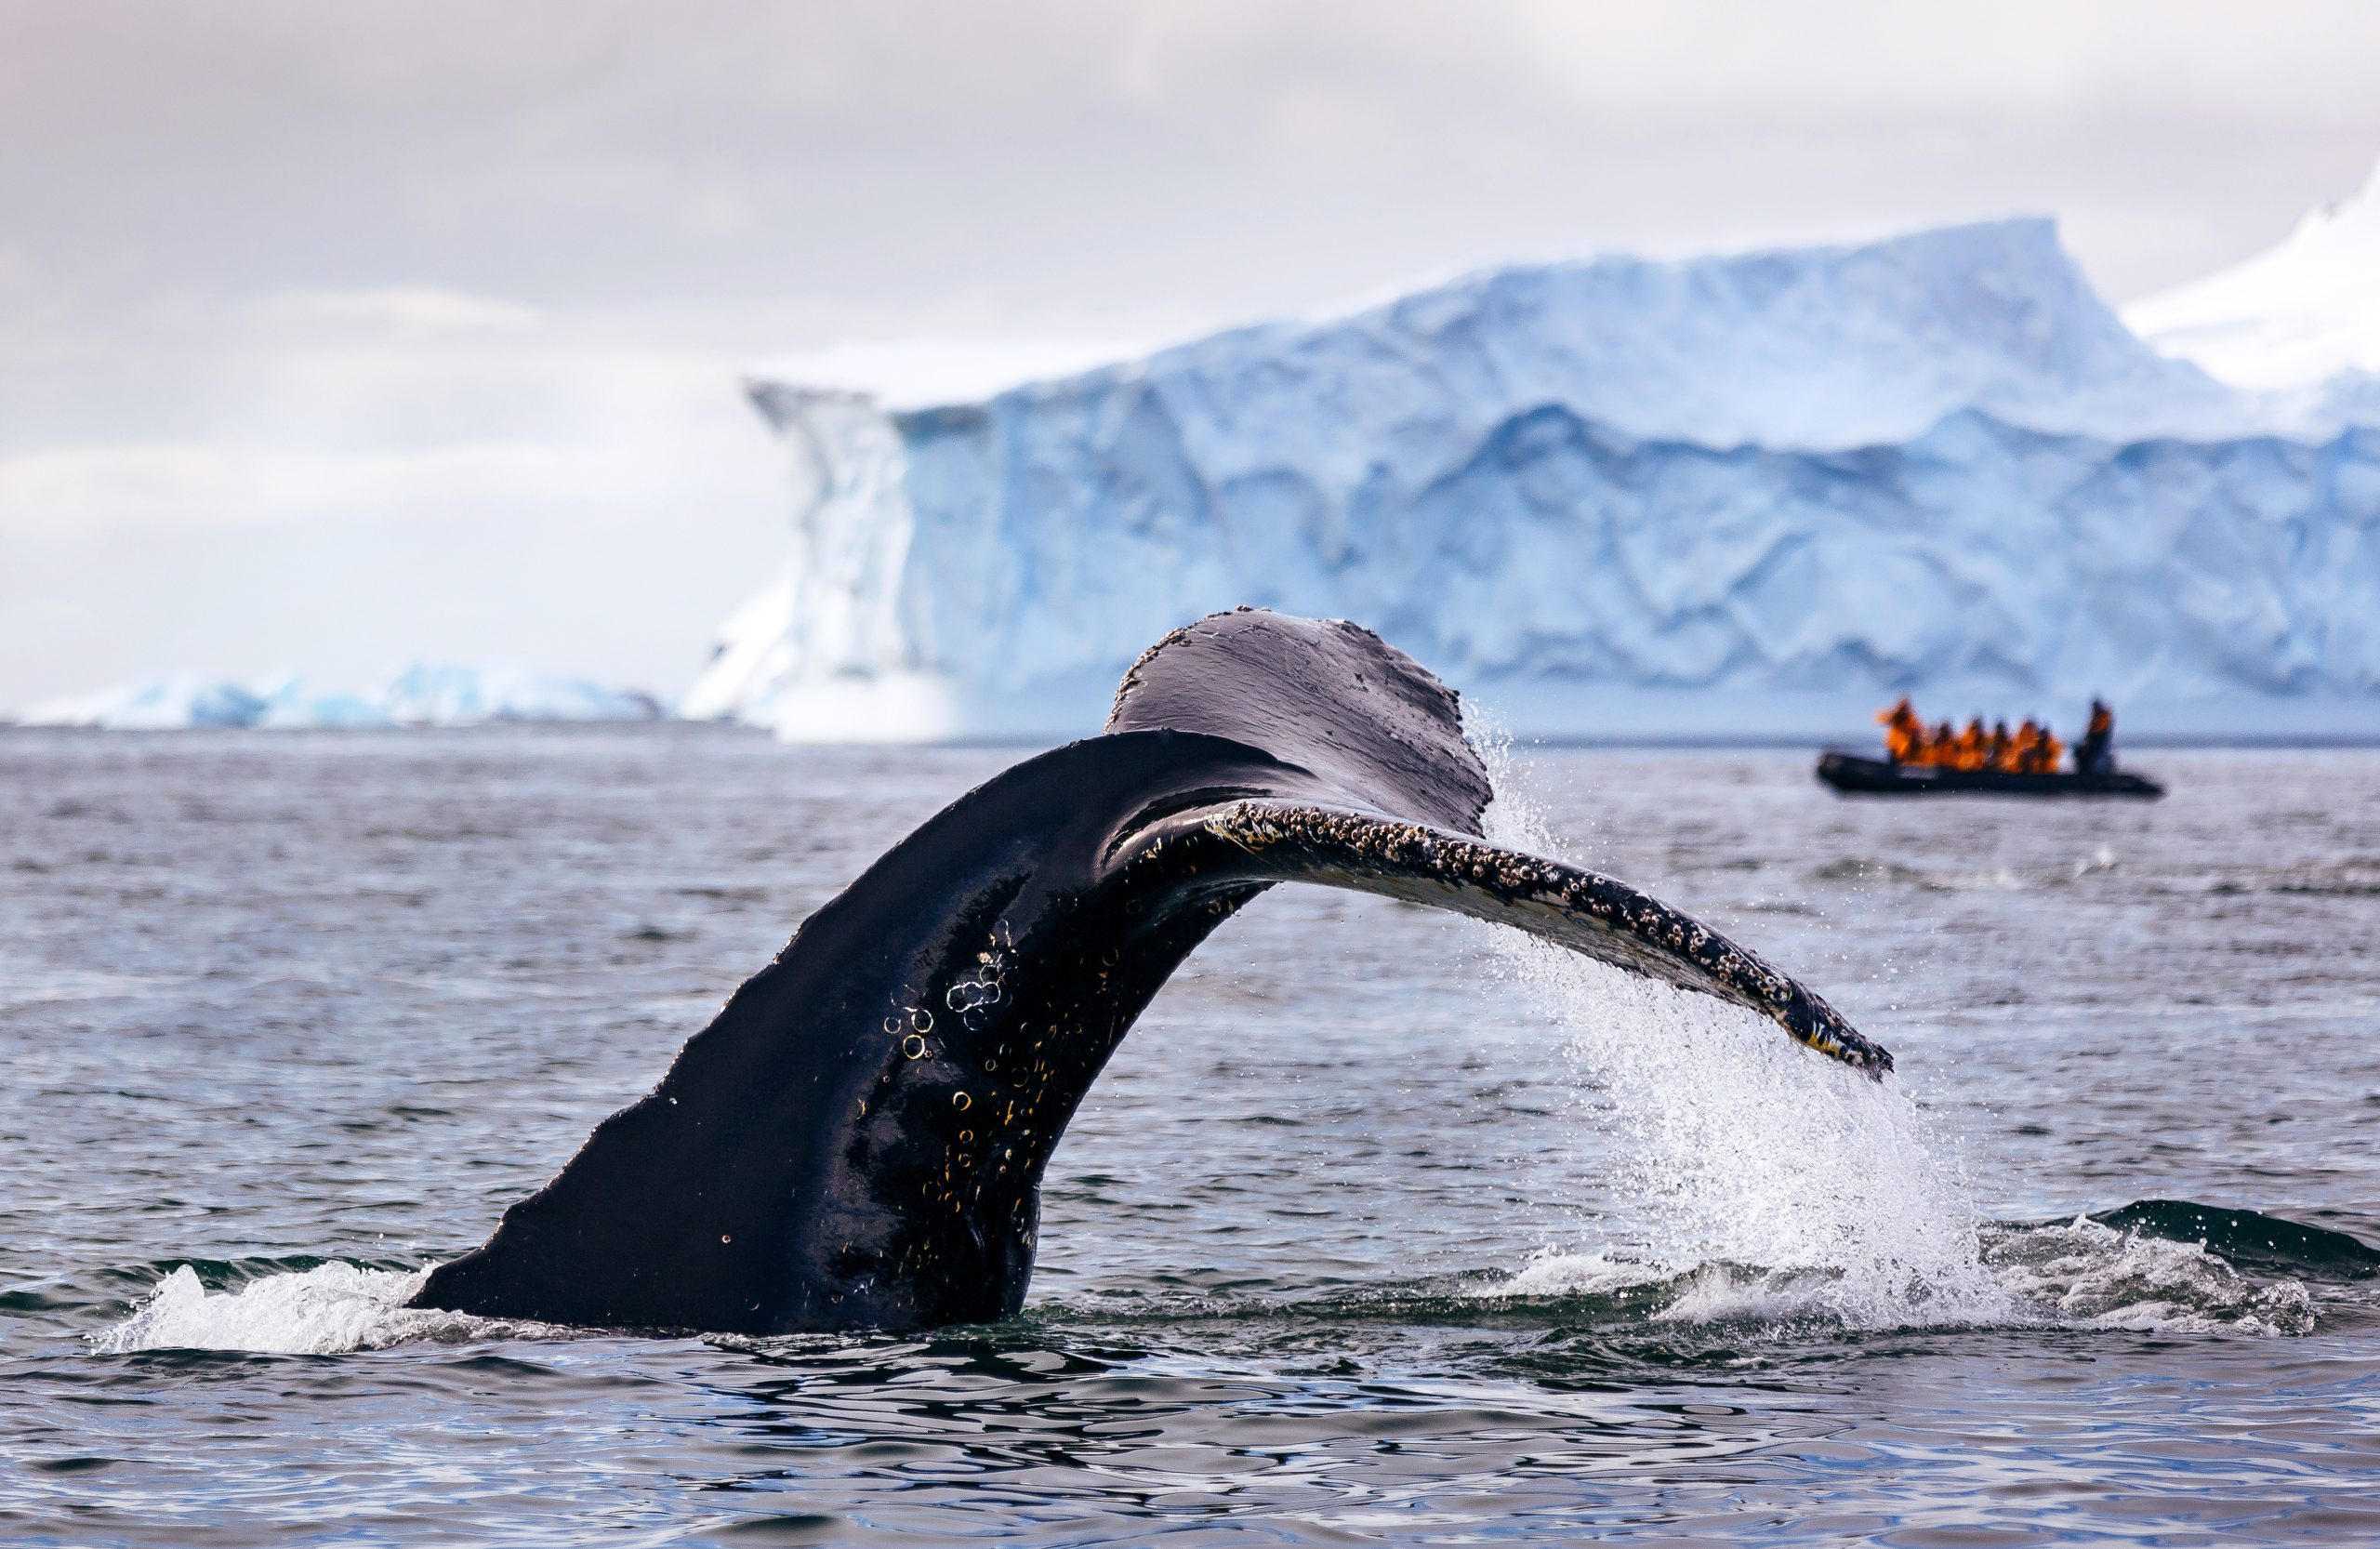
{"points": [[2030, 749]]}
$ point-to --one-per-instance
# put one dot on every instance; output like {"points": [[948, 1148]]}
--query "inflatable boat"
{"points": [[1854, 775]]}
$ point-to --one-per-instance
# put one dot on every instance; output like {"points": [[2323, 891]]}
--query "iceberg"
{"points": [[420, 695], [174, 704], [289, 705], [1750, 493], [479, 697]]}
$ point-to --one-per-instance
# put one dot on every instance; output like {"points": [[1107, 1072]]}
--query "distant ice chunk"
{"points": [[425, 695], [420, 695], [174, 704], [289, 705]]}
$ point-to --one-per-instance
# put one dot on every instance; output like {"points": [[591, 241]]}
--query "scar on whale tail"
{"points": [[858, 1138]]}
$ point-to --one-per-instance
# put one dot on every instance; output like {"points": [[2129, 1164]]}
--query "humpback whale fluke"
{"points": [[857, 1139]]}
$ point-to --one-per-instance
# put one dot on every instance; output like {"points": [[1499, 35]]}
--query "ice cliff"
{"points": [[1744, 493], [418, 697]]}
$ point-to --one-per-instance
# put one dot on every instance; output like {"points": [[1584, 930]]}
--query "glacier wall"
{"points": [[1747, 493]]}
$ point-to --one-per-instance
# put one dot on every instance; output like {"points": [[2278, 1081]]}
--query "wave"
{"points": [[2089, 1274], [2161, 1265], [2249, 1239], [1868, 869], [2351, 877], [2167, 1266]]}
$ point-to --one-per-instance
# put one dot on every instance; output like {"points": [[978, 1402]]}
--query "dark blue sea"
{"points": [[1380, 1228]]}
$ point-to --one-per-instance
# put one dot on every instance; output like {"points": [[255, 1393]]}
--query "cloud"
{"points": [[64, 490], [404, 309]]}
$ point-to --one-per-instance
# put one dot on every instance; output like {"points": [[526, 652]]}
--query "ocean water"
{"points": [[1382, 1227]]}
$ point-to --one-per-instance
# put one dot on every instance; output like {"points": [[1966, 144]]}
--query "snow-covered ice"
{"points": [[418, 697], [2295, 316], [476, 696], [1749, 492], [170, 705]]}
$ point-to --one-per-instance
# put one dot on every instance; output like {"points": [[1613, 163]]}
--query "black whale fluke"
{"points": [[857, 1140]]}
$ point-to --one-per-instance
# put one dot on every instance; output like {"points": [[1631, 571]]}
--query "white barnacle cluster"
{"points": [[908, 1025], [973, 998], [1507, 870], [1247, 824]]}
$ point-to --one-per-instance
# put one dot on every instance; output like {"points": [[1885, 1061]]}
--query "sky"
{"points": [[338, 336]]}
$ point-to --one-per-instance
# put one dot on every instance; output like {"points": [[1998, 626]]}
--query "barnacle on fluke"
{"points": [[828, 1154], [1598, 916]]}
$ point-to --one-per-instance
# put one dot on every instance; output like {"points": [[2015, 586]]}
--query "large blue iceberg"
{"points": [[1750, 493]]}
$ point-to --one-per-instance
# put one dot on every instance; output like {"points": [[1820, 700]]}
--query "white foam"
{"points": [[1596, 1272], [2087, 1273], [327, 1310]]}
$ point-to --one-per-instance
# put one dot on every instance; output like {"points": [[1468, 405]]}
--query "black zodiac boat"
{"points": [[1854, 775]]}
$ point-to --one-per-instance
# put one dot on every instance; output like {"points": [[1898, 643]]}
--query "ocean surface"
{"points": [[1382, 1227]]}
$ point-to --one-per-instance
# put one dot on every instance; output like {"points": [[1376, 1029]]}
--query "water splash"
{"points": [[1758, 1183], [1738, 1148], [327, 1310]]}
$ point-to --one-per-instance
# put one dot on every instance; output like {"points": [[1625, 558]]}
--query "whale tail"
{"points": [[858, 1138]]}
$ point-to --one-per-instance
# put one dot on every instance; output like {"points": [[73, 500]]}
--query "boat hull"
{"points": [[1855, 776]]}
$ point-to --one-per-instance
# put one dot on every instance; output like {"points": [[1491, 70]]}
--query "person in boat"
{"points": [[1904, 733], [2031, 749], [2096, 753], [2025, 748]]}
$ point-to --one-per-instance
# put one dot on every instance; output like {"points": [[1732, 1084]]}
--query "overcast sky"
{"points": [[333, 335]]}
